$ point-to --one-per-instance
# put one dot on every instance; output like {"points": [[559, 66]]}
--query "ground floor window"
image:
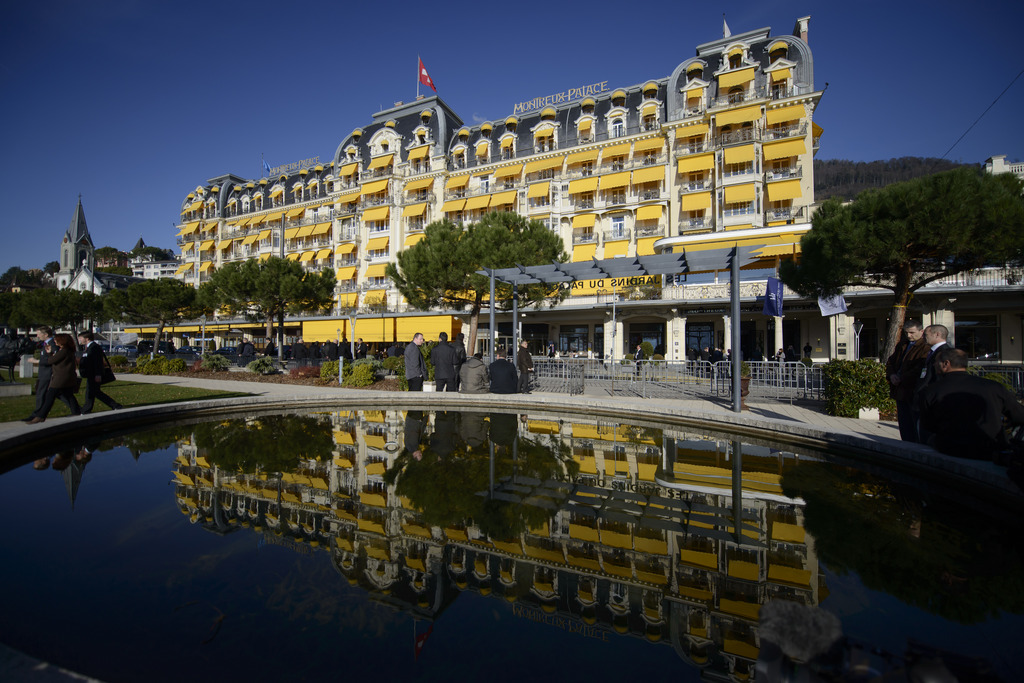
{"points": [[573, 339], [646, 332], [979, 336]]}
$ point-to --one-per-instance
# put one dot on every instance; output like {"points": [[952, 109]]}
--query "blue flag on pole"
{"points": [[266, 167], [773, 298]]}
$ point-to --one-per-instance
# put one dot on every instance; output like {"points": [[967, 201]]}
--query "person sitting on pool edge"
{"points": [[503, 375]]}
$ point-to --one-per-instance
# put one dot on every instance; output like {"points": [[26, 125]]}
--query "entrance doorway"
{"points": [[699, 335], [646, 332]]}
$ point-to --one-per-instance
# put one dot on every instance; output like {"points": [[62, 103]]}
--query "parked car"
{"points": [[228, 352], [146, 346]]}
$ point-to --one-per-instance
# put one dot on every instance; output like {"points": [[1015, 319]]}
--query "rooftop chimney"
{"points": [[800, 30]]}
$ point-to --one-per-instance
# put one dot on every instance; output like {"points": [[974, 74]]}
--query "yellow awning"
{"points": [[273, 216], [348, 169], [223, 244], [183, 268], [295, 212], [377, 243], [734, 78], [684, 132], [583, 185], [481, 149], [208, 244], [292, 257], [649, 109], [783, 149], [427, 325], [210, 227], [508, 171], [503, 198], [205, 266], [741, 115], [453, 205], [264, 257], [413, 239], [480, 202], [256, 220], [348, 197], [457, 182], [321, 228], [650, 174], [346, 273], [645, 245], [694, 90], [264, 234], [585, 126], [616, 248], [544, 133], [700, 162], [374, 187], [307, 256], [421, 184], [539, 190], [276, 192], [346, 248], [615, 150], [614, 180], [508, 142], [778, 45], [817, 130], [377, 213], [787, 189], [305, 231], [322, 254], [238, 224], [291, 233], [380, 162], [581, 157], [195, 205], [739, 155], [780, 250], [414, 210], [738, 194], [375, 270], [780, 75], [696, 201], [249, 239], [419, 152], [583, 252], [187, 248], [791, 113], [584, 220], [648, 145], [189, 228], [649, 213], [544, 164]]}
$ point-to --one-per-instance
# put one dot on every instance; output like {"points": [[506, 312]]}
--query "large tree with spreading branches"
{"points": [[906, 235], [440, 271], [162, 302]]}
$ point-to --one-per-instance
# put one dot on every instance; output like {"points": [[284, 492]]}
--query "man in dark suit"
{"points": [[964, 413], [503, 375], [443, 358], [90, 367], [903, 369], [44, 337]]}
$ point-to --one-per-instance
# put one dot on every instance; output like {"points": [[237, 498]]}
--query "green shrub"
{"points": [[394, 364], [212, 361], [118, 362], [647, 348], [995, 377], [176, 365], [362, 375], [262, 366], [157, 365], [329, 370], [852, 385]]}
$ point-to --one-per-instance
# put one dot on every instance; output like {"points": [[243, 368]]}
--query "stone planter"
{"points": [[428, 386], [868, 414]]}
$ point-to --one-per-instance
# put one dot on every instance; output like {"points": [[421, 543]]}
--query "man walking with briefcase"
{"points": [[95, 370]]}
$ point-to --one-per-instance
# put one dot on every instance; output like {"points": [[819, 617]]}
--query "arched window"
{"points": [[618, 128]]}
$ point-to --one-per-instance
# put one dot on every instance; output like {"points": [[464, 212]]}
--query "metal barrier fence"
{"points": [[675, 379], [1014, 376]]}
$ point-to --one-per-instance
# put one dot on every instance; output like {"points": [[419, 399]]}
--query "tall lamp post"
{"points": [[202, 319], [857, 327]]}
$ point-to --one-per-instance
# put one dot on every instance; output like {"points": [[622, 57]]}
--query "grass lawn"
{"points": [[124, 392]]}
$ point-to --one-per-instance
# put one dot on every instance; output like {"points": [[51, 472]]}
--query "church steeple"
{"points": [[77, 249]]}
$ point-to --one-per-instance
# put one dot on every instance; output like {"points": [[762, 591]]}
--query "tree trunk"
{"points": [[156, 341], [474, 323], [898, 316]]}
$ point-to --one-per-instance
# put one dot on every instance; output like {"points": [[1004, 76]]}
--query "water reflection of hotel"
{"points": [[639, 541]]}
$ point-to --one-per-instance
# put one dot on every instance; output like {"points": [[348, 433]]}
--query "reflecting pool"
{"points": [[427, 545]]}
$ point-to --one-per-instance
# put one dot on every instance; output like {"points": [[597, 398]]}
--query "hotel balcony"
{"points": [[695, 148], [737, 136], [732, 99], [687, 225], [698, 186], [796, 130], [784, 173], [643, 230], [583, 237]]}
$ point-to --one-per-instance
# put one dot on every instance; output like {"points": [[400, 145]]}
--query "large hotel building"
{"points": [[719, 153]]}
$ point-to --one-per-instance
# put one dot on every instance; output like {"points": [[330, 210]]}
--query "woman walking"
{"points": [[64, 381]]}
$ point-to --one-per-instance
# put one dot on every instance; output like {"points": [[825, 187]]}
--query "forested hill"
{"points": [[846, 179]]}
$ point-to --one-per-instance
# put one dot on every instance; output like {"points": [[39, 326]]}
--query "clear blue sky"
{"points": [[132, 103]]}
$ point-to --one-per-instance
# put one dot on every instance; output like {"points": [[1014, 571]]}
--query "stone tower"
{"points": [[76, 249]]}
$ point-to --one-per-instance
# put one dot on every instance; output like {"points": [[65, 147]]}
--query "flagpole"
{"points": [[417, 76]]}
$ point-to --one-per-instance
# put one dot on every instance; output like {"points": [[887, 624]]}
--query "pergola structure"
{"points": [[731, 259]]}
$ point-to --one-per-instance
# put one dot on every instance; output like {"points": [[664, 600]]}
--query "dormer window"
{"points": [[735, 61], [618, 128]]}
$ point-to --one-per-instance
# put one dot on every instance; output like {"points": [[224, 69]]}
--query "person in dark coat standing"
{"points": [[331, 350], [300, 353], [246, 352], [360, 348], [63, 381], [963, 413], [524, 363], [903, 368], [90, 367], [270, 350], [503, 375], [415, 366], [460, 357], [443, 358], [346, 350]]}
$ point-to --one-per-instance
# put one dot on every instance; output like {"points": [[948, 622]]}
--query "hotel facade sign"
{"points": [[294, 166], [559, 98]]}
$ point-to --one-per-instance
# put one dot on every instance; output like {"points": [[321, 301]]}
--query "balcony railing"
{"points": [[684, 150], [698, 186], [748, 95], [796, 130], [616, 235], [737, 136], [644, 230], [580, 237], [783, 173], [694, 224]]}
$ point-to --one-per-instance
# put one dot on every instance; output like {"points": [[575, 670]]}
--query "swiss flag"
{"points": [[425, 77]]}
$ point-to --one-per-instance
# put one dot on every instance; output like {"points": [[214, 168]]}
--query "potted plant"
{"points": [[744, 384]]}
